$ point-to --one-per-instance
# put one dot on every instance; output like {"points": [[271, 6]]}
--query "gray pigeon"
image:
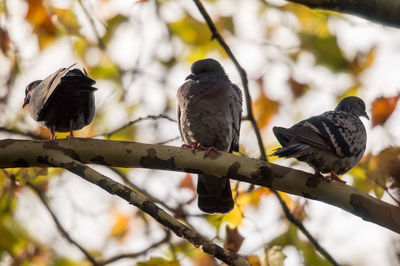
{"points": [[63, 101], [209, 114], [332, 142]]}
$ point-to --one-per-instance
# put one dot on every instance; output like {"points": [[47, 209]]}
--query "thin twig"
{"points": [[93, 25], [250, 116], [242, 73], [59, 225], [165, 239], [299, 225], [20, 133], [149, 117]]}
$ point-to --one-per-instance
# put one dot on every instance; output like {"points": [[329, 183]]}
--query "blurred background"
{"points": [[299, 63]]}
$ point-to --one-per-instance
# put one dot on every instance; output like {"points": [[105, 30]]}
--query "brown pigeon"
{"points": [[332, 142], [63, 101], [209, 115]]}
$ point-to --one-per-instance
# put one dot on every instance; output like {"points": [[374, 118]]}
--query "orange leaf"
{"points": [[187, 182], [41, 21], [264, 107], [382, 108], [233, 240]]}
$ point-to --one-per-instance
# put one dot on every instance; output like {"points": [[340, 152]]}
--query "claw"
{"points": [[333, 176]]}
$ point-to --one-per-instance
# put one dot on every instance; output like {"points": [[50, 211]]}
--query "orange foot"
{"points": [[197, 146], [333, 176]]}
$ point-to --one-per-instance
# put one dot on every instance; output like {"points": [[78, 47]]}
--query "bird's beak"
{"points": [[26, 101], [365, 115], [191, 76]]}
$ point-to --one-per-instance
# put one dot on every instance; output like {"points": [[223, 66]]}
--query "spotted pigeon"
{"points": [[209, 113], [63, 101], [332, 142]]}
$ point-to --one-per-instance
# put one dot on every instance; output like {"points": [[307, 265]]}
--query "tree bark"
{"points": [[382, 11], [34, 153]]}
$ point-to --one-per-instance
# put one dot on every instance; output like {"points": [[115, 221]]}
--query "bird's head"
{"points": [[28, 91], [204, 66], [353, 105]]}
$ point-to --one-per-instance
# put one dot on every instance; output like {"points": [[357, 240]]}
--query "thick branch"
{"points": [[381, 11], [26, 153], [58, 159]]}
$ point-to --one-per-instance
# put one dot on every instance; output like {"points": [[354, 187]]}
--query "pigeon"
{"points": [[332, 142], [62, 102], [209, 111]]}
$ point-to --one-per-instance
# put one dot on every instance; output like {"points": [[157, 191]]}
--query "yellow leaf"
{"points": [[253, 260], [234, 218], [120, 228], [252, 197]]}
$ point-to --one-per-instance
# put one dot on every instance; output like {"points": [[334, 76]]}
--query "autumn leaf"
{"points": [[4, 41], [253, 260], [187, 182], [252, 198], [233, 240], [40, 19], [264, 107], [363, 61], [382, 108], [120, 228]]}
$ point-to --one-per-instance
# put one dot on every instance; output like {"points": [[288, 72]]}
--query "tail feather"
{"points": [[290, 150], [215, 195]]}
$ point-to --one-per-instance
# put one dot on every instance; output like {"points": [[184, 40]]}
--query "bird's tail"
{"points": [[215, 195], [290, 150]]}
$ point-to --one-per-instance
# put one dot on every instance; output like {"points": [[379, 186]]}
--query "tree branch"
{"points": [[27, 153], [382, 11], [63, 159]]}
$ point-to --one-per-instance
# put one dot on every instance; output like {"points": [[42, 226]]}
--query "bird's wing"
{"points": [[51, 83], [236, 111]]}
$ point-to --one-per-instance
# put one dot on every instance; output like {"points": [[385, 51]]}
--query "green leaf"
{"points": [[112, 25], [326, 51]]}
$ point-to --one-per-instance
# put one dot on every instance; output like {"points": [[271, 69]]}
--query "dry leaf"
{"points": [[187, 182], [233, 240], [298, 89], [264, 107], [382, 108]]}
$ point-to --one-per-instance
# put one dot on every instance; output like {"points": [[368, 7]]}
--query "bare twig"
{"points": [[242, 73], [93, 25], [20, 133], [300, 225], [149, 117], [251, 118], [59, 225], [165, 239]]}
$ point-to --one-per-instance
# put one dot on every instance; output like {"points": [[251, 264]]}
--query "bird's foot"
{"points": [[208, 150], [198, 146], [190, 146], [333, 176]]}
